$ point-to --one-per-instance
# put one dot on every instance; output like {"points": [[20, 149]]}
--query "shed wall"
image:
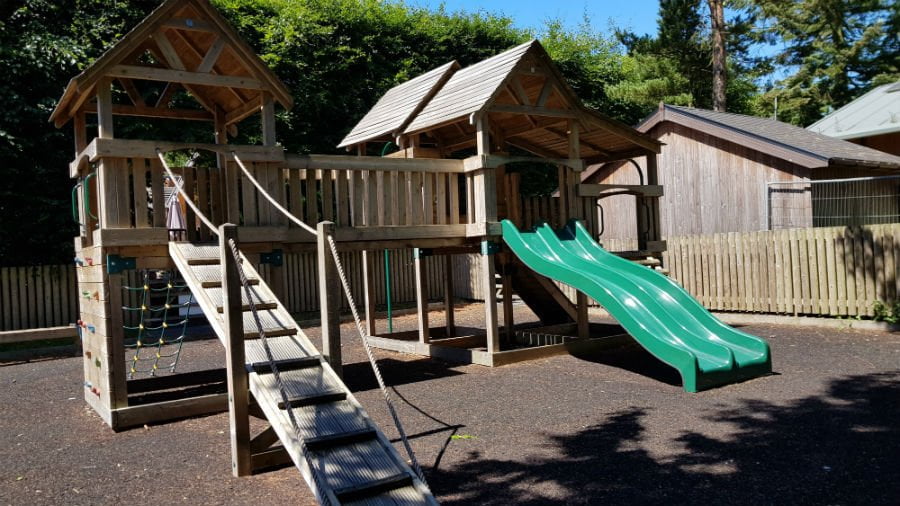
{"points": [[711, 186]]}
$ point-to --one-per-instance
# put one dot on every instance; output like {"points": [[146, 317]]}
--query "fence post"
{"points": [[238, 384]]}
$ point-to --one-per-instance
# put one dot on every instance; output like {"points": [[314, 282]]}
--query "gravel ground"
{"points": [[612, 427]]}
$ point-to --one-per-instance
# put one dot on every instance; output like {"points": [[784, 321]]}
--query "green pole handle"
{"points": [[75, 203], [87, 195]]}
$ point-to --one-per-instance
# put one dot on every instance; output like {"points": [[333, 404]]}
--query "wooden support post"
{"points": [[329, 298], [80, 125], [489, 284], [104, 109], [563, 196], [448, 296], [268, 119], [421, 295], [508, 319], [368, 259], [238, 383], [118, 387], [653, 203], [582, 312], [228, 191], [572, 178]]}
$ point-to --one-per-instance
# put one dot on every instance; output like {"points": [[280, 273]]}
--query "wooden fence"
{"points": [[37, 297], [834, 271]]}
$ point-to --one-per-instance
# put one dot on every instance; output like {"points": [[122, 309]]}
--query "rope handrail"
{"points": [[352, 303], [271, 199], [179, 187]]}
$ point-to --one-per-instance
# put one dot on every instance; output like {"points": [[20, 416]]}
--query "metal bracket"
{"points": [[422, 253], [116, 264], [274, 258], [489, 248]]}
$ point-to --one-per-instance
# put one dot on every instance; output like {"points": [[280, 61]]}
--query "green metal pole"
{"points": [[387, 268]]}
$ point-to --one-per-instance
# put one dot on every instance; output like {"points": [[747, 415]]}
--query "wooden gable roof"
{"points": [[192, 46], [530, 105], [396, 108]]}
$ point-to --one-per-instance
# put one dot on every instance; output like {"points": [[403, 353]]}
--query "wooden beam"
{"points": [[546, 90], [244, 111], [166, 96], [268, 119], [170, 55], [133, 94], [212, 56], [184, 77], [349, 162], [128, 148], [533, 111], [519, 92], [155, 112], [532, 148], [200, 55]]}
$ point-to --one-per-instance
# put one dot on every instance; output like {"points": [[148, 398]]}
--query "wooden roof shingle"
{"points": [[396, 108]]}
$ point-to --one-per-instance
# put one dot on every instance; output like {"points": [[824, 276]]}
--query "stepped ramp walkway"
{"points": [[339, 450]]}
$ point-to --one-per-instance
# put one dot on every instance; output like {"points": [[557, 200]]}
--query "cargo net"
{"points": [[156, 322]]}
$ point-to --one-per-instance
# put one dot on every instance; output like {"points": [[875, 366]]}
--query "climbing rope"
{"points": [[359, 327], [236, 256], [159, 339]]}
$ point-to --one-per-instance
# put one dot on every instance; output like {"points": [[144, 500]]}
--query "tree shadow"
{"points": [[837, 448]]}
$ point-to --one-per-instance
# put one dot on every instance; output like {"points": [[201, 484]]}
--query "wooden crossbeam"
{"points": [[133, 94], [545, 93], [155, 112], [533, 110], [184, 77], [212, 56], [196, 50]]}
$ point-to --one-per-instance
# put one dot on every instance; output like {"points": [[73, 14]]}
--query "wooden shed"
{"points": [[718, 170]]}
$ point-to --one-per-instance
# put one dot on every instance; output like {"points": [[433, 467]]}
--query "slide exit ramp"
{"points": [[660, 315]]}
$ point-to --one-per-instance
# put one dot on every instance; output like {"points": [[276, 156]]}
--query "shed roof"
{"points": [[393, 111], [875, 113], [195, 46], [788, 142]]}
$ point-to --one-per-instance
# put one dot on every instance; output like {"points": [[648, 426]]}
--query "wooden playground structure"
{"points": [[442, 193]]}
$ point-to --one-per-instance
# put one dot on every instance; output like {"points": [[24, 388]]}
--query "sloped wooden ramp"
{"points": [[354, 461]]}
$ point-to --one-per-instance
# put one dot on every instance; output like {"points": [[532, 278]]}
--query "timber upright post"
{"points": [[329, 298], [238, 383], [486, 211]]}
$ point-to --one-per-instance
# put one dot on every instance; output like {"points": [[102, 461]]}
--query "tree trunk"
{"points": [[717, 16]]}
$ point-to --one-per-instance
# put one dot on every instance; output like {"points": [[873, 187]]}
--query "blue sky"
{"points": [[636, 15]]}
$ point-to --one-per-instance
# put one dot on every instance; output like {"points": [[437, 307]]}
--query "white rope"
{"points": [[364, 337], [179, 186], [268, 197], [362, 334]]}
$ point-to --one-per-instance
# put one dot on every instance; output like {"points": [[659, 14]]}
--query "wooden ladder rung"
{"points": [[258, 305], [321, 398], [274, 332], [369, 489], [344, 438], [203, 261], [289, 364]]}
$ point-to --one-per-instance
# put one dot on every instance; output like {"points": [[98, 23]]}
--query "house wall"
{"points": [[889, 143], [711, 186]]}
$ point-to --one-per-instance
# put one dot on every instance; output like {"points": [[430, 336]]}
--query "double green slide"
{"points": [[655, 310]]}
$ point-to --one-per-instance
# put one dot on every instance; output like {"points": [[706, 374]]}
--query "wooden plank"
{"points": [[351, 162], [428, 198], [312, 197], [342, 198], [416, 209], [868, 243], [248, 200], [440, 195], [840, 270], [453, 192], [139, 190], [421, 297], [41, 334], [395, 203], [380, 200], [859, 258], [850, 269], [190, 217], [203, 200], [327, 195], [805, 278], [296, 193], [403, 197]]}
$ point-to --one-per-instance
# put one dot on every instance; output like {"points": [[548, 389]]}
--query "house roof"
{"points": [[393, 111], [527, 97], [788, 142], [875, 113], [191, 30]]}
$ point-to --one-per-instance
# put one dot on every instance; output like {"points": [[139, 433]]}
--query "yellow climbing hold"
{"points": [[165, 325], [146, 287]]}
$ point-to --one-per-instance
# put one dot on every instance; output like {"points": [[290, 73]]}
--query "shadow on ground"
{"points": [[359, 376], [837, 448]]}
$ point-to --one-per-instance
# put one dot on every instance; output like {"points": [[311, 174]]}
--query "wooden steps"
{"points": [[353, 457]]}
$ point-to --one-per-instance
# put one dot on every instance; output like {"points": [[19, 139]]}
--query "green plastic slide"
{"points": [[655, 310]]}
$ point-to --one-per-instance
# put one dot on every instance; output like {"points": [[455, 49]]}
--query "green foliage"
{"points": [[833, 51], [886, 313]]}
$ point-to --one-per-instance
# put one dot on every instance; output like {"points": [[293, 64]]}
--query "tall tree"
{"points": [[832, 51], [719, 63]]}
